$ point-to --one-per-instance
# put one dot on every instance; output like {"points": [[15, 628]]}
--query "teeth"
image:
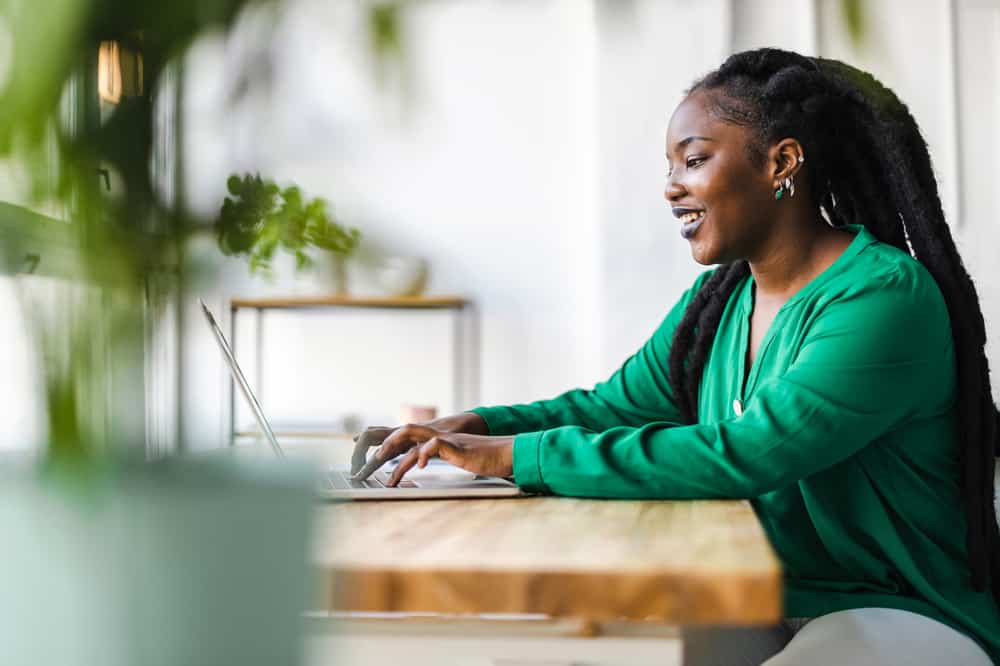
{"points": [[688, 218]]}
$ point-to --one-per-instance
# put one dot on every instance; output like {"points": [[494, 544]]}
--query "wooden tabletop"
{"points": [[677, 561]]}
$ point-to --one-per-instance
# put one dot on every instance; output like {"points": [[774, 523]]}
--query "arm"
{"points": [[639, 392], [872, 359]]}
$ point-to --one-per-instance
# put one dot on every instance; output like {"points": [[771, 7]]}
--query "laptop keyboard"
{"points": [[342, 481]]}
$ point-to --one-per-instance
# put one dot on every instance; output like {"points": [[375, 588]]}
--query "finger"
{"points": [[359, 455], [367, 469], [403, 439], [396, 443], [370, 437], [428, 451], [404, 466]]}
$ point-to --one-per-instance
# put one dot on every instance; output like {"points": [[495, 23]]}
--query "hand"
{"points": [[479, 454], [374, 436]]}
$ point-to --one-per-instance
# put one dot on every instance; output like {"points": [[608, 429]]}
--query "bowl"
{"points": [[401, 276]]}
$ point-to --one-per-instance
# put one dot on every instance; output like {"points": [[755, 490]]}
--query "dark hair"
{"points": [[868, 165]]}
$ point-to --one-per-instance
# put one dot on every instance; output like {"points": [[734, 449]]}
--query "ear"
{"points": [[785, 159]]}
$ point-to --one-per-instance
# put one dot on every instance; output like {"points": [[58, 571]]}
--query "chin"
{"points": [[709, 252], [704, 254]]}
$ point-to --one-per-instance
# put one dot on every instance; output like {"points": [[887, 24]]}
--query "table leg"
{"points": [[258, 387], [458, 361], [232, 382], [465, 358]]}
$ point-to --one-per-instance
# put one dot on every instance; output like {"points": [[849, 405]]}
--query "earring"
{"points": [[779, 192], [790, 186]]}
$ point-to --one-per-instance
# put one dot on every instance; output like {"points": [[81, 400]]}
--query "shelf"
{"points": [[404, 302], [464, 342], [295, 434]]}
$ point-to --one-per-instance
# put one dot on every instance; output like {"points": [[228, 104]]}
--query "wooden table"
{"points": [[533, 580]]}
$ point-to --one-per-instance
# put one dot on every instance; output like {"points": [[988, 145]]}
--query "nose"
{"points": [[673, 190]]}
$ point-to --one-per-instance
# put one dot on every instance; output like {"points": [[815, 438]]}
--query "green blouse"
{"points": [[843, 437]]}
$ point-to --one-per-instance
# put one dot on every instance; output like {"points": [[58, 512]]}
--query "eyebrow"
{"points": [[683, 142]]}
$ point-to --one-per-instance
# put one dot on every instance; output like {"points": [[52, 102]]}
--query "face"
{"points": [[722, 199]]}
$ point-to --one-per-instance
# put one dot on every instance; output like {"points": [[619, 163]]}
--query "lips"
{"points": [[691, 220]]}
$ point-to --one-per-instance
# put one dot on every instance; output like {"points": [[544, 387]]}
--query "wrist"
{"points": [[507, 455], [474, 424], [495, 454]]}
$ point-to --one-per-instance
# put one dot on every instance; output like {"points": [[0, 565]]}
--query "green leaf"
{"points": [[383, 29], [854, 19], [302, 260]]}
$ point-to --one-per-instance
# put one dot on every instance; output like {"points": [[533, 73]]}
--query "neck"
{"points": [[799, 247]]}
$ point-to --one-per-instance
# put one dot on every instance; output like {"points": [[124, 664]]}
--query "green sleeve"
{"points": [[637, 393], [871, 359]]}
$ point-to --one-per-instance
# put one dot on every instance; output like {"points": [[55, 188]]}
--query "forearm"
{"points": [[591, 409], [655, 461], [463, 422]]}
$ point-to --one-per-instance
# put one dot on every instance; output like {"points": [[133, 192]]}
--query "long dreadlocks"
{"points": [[868, 165]]}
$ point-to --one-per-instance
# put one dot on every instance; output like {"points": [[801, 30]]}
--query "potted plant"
{"points": [[259, 218]]}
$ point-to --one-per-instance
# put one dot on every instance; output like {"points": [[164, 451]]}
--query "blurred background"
{"points": [[505, 152]]}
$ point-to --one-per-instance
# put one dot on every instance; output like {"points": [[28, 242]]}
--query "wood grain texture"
{"points": [[402, 302], [685, 562]]}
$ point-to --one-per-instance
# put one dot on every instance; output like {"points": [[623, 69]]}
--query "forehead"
{"points": [[692, 117]]}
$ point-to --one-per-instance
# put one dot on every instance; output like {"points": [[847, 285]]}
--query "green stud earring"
{"points": [[778, 193]]}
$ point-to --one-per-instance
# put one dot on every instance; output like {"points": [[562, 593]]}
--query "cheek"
{"points": [[736, 204], [733, 192]]}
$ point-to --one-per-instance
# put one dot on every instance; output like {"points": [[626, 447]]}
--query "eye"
{"points": [[693, 162]]}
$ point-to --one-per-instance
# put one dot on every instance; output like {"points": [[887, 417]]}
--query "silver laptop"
{"points": [[438, 479]]}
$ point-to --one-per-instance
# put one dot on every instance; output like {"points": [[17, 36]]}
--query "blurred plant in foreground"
{"points": [[53, 110]]}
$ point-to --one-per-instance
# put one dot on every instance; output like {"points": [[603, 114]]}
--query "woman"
{"points": [[830, 369]]}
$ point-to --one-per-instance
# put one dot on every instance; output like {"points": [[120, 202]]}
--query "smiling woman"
{"points": [[830, 370]]}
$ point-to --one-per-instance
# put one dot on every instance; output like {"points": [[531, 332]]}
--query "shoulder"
{"points": [[886, 271], [887, 288]]}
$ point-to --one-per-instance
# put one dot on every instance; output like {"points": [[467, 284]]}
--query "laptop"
{"points": [[439, 479]]}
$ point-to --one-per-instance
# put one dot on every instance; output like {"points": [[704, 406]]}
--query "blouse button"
{"points": [[738, 407]]}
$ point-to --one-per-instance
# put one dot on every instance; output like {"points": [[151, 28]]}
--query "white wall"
{"points": [[978, 83], [22, 426], [487, 168], [649, 54], [525, 160]]}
